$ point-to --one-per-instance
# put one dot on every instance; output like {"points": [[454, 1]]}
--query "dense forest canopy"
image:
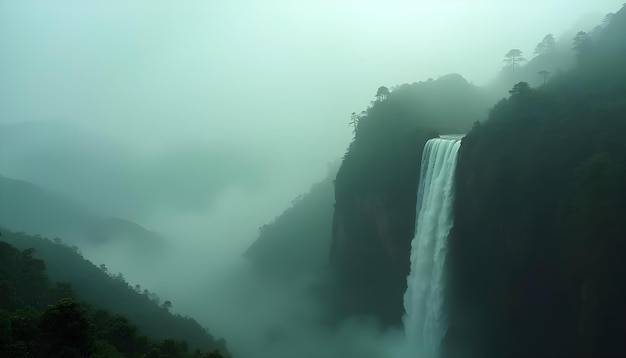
{"points": [[35, 296]]}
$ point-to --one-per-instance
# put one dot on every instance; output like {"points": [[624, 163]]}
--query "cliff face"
{"points": [[376, 188], [372, 232], [536, 254], [535, 265]]}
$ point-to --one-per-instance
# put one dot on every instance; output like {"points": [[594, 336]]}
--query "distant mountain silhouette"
{"points": [[28, 208]]}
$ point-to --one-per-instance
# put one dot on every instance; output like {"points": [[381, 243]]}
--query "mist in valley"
{"points": [[173, 132]]}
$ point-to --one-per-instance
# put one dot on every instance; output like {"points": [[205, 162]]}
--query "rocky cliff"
{"points": [[535, 261], [376, 188], [372, 232]]}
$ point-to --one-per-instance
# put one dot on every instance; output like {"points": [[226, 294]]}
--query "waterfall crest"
{"points": [[424, 319]]}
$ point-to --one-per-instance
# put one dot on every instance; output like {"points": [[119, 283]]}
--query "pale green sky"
{"points": [[272, 81], [128, 63], [227, 65]]}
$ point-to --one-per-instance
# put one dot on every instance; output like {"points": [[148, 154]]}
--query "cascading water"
{"points": [[424, 319]]}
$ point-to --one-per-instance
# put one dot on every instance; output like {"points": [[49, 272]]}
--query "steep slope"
{"points": [[556, 57], [555, 61], [376, 187], [536, 262], [104, 291], [39, 319], [298, 241]]}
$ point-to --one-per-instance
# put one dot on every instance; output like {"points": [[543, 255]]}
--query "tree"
{"points": [[104, 268], [581, 40], [167, 305], [123, 335], [120, 277], [520, 88], [66, 330], [546, 46], [171, 348], [382, 93], [545, 74], [155, 352], [154, 297], [513, 58], [354, 121]]}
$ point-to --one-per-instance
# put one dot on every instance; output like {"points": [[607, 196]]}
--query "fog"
{"points": [[202, 120]]}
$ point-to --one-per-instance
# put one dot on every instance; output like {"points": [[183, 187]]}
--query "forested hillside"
{"points": [[298, 241], [99, 289], [536, 263]]}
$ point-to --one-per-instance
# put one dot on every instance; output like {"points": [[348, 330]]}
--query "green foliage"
{"points": [[551, 58], [581, 40], [382, 93], [66, 330], [43, 319], [104, 349], [544, 74], [547, 46], [520, 89], [6, 331], [298, 241], [536, 254], [376, 188], [513, 59]]}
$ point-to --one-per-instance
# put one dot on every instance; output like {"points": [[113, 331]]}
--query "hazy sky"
{"points": [[233, 70], [215, 114], [272, 82]]}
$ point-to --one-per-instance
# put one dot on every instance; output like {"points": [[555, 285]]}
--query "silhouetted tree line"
{"points": [[297, 242], [40, 317], [536, 257], [120, 277]]}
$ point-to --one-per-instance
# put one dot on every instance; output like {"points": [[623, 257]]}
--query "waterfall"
{"points": [[424, 319]]}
